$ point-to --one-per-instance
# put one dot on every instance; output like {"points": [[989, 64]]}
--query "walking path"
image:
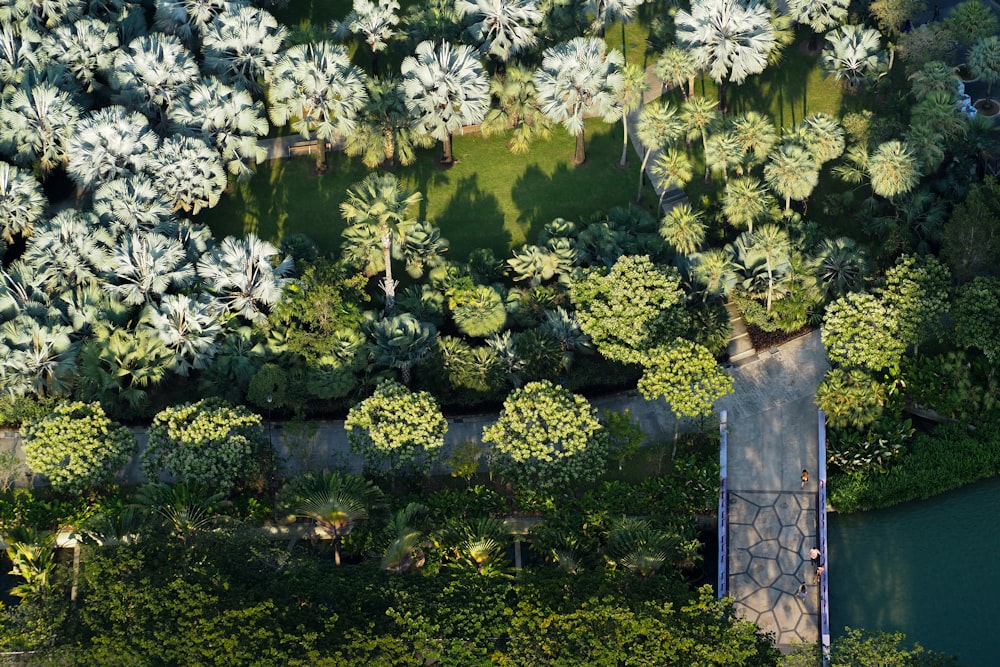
{"points": [[772, 522]]}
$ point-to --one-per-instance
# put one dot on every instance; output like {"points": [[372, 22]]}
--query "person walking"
{"points": [[805, 478]]}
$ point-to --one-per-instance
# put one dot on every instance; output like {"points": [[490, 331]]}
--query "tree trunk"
{"points": [[722, 97], [320, 155], [388, 284], [690, 88], [788, 203], [642, 173], [447, 157], [336, 550], [580, 154], [624, 159]]}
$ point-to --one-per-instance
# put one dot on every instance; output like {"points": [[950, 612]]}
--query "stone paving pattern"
{"points": [[773, 435]]}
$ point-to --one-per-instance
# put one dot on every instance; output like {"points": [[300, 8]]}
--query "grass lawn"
{"points": [[490, 199]]}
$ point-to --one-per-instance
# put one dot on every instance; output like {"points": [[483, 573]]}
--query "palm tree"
{"points": [[334, 502], [37, 121], [18, 57], [109, 143], [628, 98], [117, 367], [756, 135], [843, 266], [71, 248], [145, 265], [791, 172], [579, 77], [189, 327], [126, 205], [86, 49], [730, 39], [183, 510], [684, 229], [824, 137], [671, 169], [746, 201], [227, 118], [722, 153], [517, 110], [316, 89], [636, 545], [242, 276], [151, 73], [984, 61], [189, 172], [607, 12], [893, 169], [241, 46], [34, 560], [404, 551], [819, 15], [713, 269], [401, 342], [501, 28], [423, 248], [375, 23], [380, 206], [479, 543], [699, 117], [22, 202], [676, 67], [934, 76], [37, 359], [854, 55], [383, 134], [44, 15], [774, 245], [446, 89], [188, 19], [658, 127]]}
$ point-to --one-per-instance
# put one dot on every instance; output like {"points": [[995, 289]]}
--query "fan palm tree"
{"points": [[627, 99], [576, 78], [791, 172], [242, 275], [634, 544], [676, 67], [375, 23], [700, 117], [893, 169], [115, 528], [188, 19], [151, 73], [517, 110], [383, 134], [71, 248], [86, 49], [228, 119], [316, 89], [118, 367], [722, 153], [658, 127], [984, 61], [824, 137], [401, 342], [819, 15], [188, 172], [18, 56], [729, 39], [22, 292], [36, 359], [501, 28], [189, 327], [44, 15], [380, 205], [843, 266], [22, 202], [132, 204], [479, 543], [684, 229], [934, 76], [109, 143], [446, 89], [36, 124], [241, 46], [334, 502], [406, 541], [713, 269], [146, 265], [182, 510], [854, 55], [34, 560], [774, 245], [756, 135], [746, 201], [671, 169], [606, 12]]}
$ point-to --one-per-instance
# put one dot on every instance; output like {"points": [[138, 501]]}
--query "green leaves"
{"points": [[686, 376]]}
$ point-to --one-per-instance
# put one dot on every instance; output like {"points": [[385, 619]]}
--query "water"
{"points": [[926, 568]]}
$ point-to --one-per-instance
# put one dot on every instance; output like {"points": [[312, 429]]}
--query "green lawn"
{"points": [[490, 199]]}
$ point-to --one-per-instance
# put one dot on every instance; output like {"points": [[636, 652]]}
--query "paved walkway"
{"points": [[772, 521]]}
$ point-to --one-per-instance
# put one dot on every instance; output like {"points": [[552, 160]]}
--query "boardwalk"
{"points": [[772, 522]]}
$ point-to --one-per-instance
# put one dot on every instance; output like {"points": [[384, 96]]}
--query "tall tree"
{"points": [[22, 202], [676, 67], [700, 117], [517, 110], [672, 169], [791, 172], [37, 121], [189, 173], [658, 127], [242, 276], [446, 89], [854, 55], [628, 98], [684, 229], [241, 46], [501, 28], [893, 169], [189, 327], [86, 48], [383, 134], [375, 23], [819, 15], [756, 135], [146, 265], [109, 143], [730, 39], [151, 74], [576, 78], [984, 60], [382, 205], [746, 201], [316, 89]]}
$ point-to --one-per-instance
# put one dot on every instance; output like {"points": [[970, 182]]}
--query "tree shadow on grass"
{"points": [[473, 219]]}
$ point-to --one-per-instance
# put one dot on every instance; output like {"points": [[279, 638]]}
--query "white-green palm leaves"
{"points": [[189, 327], [446, 88], [19, 53], [401, 342], [226, 117], [729, 39], [792, 172], [22, 202], [820, 15], [110, 143], [893, 169], [189, 173], [745, 202], [146, 265], [242, 275], [36, 124], [502, 28], [131, 204], [756, 135], [823, 137], [405, 540], [579, 77], [72, 247], [854, 55], [188, 19], [375, 22], [151, 73], [684, 229], [241, 46], [36, 358], [316, 89], [984, 60], [676, 67], [86, 48], [658, 126]]}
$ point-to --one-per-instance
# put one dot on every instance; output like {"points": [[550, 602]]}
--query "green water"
{"points": [[927, 568]]}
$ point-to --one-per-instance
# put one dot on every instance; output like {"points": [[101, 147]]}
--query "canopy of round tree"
{"points": [[686, 376]]}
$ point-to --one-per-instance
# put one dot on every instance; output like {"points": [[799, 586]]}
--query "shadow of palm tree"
{"points": [[474, 219]]}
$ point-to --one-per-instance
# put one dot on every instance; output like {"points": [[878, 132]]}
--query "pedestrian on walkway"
{"points": [[816, 556], [801, 593], [805, 478]]}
